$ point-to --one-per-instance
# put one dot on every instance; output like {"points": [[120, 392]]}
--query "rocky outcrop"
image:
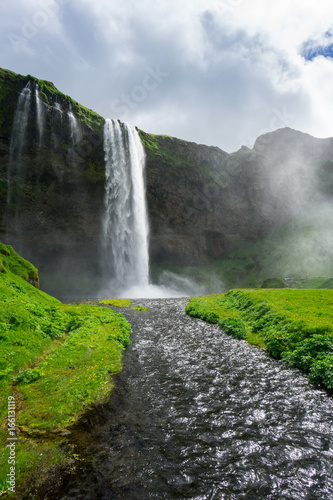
{"points": [[203, 202]]}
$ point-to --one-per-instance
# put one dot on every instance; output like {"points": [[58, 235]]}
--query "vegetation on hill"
{"points": [[295, 325], [11, 261], [10, 81], [56, 361]]}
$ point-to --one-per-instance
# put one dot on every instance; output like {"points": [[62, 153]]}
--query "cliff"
{"points": [[203, 202], [52, 213]]}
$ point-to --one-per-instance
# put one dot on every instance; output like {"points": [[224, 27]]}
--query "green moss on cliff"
{"points": [[10, 85], [58, 166], [8, 80], [85, 115], [166, 153]]}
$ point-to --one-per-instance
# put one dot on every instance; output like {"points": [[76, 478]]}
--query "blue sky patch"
{"points": [[311, 49]]}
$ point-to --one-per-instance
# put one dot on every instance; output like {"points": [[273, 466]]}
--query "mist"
{"points": [[298, 171]]}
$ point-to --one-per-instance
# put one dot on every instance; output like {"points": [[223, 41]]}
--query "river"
{"points": [[199, 415]]}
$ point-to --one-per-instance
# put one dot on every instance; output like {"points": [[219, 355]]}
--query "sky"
{"points": [[216, 72]]}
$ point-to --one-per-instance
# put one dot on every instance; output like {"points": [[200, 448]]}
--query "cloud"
{"points": [[233, 67]]}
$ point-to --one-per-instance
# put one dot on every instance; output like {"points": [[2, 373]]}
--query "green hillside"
{"points": [[56, 360]]}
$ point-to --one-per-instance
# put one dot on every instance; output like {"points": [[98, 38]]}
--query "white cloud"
{"points": [[233, 65]]}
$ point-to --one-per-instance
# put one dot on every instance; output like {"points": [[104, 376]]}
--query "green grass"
{"points": [[116, 302], [318, 282], [140, 308], [56, 360], [122, 303], [87, 116], [11, 261], [77, 372], [8, 82], [295, 325]]}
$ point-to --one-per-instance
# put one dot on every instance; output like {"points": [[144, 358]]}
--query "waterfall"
{"points": [[74, 125], [57, 107], [39, 114], [125, 223], [18, 137]]}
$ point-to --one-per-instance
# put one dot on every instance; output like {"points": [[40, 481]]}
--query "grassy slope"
{"points": [[55, 360], [296, 325], [11, 261]]}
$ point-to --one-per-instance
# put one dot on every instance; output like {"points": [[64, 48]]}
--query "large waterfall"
{"points": [[125, 223], [125, 229]]}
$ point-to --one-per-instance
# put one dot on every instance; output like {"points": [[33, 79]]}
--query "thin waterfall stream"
{"points": [[39, 115], [198, 414], [17, 141], [74, 125]]}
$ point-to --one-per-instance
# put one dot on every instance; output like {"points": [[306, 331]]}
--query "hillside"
{"points": [[56, 361]]}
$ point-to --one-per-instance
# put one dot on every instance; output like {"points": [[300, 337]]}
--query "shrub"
{"points": [[274, 342], [321, 371], [273, 283], [210, 317], [52, 331], [193, 311], [29, 375], [260, 324], [234, 327], [305, 353], [74, 324]]}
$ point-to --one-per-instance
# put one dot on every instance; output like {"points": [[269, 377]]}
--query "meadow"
{"points": [[56, 361]]}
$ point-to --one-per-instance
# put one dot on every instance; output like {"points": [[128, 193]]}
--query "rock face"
{"points": [[203, 202], [51, 194]]}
